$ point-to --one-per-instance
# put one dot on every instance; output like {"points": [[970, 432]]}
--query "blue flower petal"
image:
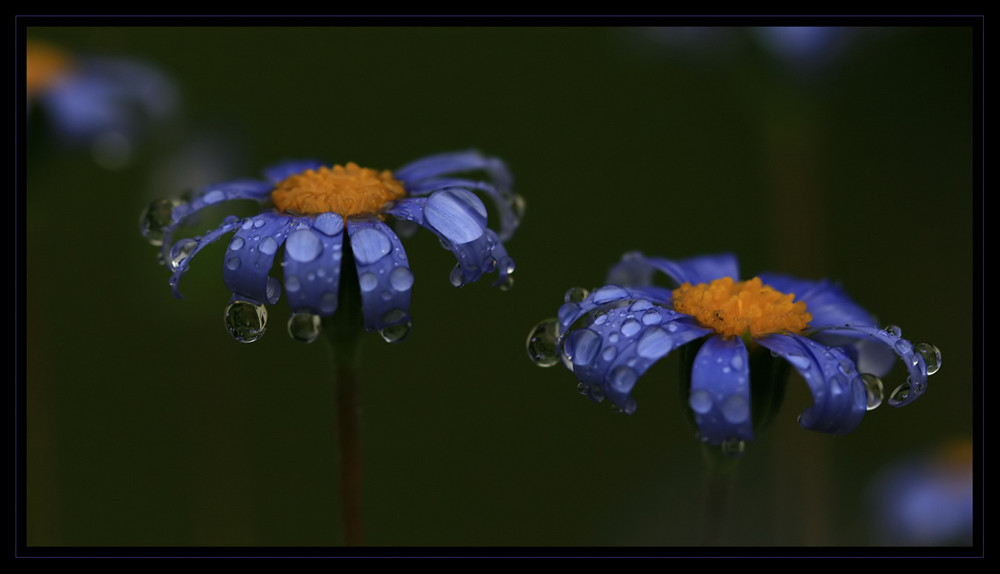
{"points": [[828, 304], [182, 252], [720, 391], [247, 189], [383, 273], [313, 254], [502, 199], [250, 255], [607, 296], [438, 165], [889, 340], [456, 215], [635, 269], [839, 397], [281, 171]]}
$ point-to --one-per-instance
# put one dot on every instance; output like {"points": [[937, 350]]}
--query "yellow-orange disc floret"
{"points": [[741, 309], [347, 190], [44, 65]]}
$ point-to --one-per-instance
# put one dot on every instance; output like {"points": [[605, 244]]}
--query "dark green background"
{"points": [[148, 425]]}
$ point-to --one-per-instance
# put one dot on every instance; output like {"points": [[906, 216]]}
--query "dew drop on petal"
{"points": [[180, 252], [401, 278], [654, 343], [368, 282], [155, 220], [630, 327], [700, 401], [733, 447], [304, 327], [609, 293], [456, 277], [329, 223], [457, 214], [542, 343], [328, 302], [398, 332], [931, 355], [272, 290], [623, 378], [236, 244], [582, 346], [874, 391], [246, 321], [575, 295], [292, 284], [233, 263], [893, 331], [899, 394], [735, 409], [651, 317], [303, 245], [798, 360]]}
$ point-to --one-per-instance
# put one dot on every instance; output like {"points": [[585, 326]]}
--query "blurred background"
{"points": [[845, 153]]}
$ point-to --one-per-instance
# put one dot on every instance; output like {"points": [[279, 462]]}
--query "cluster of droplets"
{"points": [[920, 358]]}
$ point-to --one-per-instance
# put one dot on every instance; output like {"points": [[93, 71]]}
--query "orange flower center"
{"points": [[45, 64], [347, 190], [747, 308]]}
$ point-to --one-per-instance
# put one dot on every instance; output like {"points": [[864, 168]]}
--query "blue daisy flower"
{"points": [[611, 336], [96, 100], [318, 217]]}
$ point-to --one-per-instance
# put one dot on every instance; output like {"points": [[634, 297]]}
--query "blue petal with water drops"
{"points": [[827, 302], [427, 175], [383, 273], [247, 263], [635, 269], [720, 391], [839, 396], [312, 264], [181, 253]]}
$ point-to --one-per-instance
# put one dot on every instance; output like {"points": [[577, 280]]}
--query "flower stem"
{"points": [[720, 471]]}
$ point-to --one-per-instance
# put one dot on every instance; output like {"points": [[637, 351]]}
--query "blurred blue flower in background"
{"points": [[101, 102], [312, 210], [610, 337], [926, 499]]}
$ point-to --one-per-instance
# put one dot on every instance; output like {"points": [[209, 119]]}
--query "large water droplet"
{"points": [[654, 343], [874, 391], [623, 378], [651, 317], [272, 290], [609, 293], [735, 409], [368, 282], [180, 252], [155, 220], [893, 331], [292, 284], [236, 244], [542, 343], [303, 245], [233, 263], [329, 223], [582, 346], [630, 327], [700, 401], [268, 246], [399, 331], [304, 327], [246, 321], [931, 355], [575, 295], [899, 394], [798, 360], [456, 277]]}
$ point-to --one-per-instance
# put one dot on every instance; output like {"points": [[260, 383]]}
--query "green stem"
{"points": [[720, 471]]}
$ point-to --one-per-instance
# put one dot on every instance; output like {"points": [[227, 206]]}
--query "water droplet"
{"points": [[931, 355], [582, 346], [903, 347], [258, 223], [654, 343], [631, 327], [874, 390], [507, 264], [609, 293], [651, 317], [600, 317], [595, 393], [328, 302], [181, 251], [700, 401], [268, 246], [233, 263], [246, 321], [272, 290], [518, 204], [575, 295], [368, 282], [456, 277], [899, 394], [292, 284], [623, 378], [303, 245], [399, 331], [736, 362], [401, 278], [155, 220], [640, 305], [542, 343], [329, 223], [304, 327], [609, 353], [236, 244], [733, 446], [798, 360], [893, 331], [735, 409], [507, 284]]}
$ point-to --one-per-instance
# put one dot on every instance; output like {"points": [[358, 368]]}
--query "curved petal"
{"points": [[383, 273], [455, 162], [250, 255], [608, 296], [505, 203], [720, 390], [620, 344], [874, 340], [184, 250], [635, 269], [458, 218], [827, 302], [313, 254], [244, 189], [278, 172], [839, 397]]}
